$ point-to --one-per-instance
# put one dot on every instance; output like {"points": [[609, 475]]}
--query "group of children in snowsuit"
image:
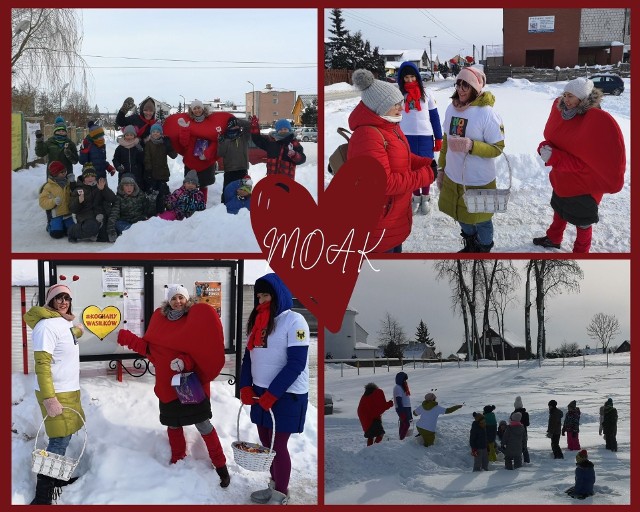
{"points": [[487, 437], [143, 174]]}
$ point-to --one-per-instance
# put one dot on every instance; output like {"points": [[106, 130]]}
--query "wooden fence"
{"points": [[335, 76], [500, 74]]}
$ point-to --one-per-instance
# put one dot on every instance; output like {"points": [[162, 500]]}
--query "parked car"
{"points": [[608, 83], [307, 134], [426, 76], [392, 78], [328, 404]]}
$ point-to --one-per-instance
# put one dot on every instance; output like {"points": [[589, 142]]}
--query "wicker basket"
{"points": [[251, 456], [52, 464], [486, 200]]}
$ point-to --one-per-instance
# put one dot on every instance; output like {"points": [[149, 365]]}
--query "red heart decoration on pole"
{"points": [[318, 249], [75, 278], [62, 277]]}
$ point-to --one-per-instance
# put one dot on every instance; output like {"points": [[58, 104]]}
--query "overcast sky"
{"points": [[408, 291], [452, 31], [198, 53]]}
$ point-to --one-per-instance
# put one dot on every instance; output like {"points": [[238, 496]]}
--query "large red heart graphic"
{"points": [[318, 250]]}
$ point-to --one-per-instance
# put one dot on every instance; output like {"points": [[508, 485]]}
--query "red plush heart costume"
{"points": [[196, 338], [210, 129], [588, 154]]}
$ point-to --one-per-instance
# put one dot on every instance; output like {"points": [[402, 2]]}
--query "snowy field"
{"points": [[405, 472], [212, 230], [127, 456], [524, 107]]}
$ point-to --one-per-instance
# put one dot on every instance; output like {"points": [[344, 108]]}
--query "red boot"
{"points": [[214, 448], [177, 443]]}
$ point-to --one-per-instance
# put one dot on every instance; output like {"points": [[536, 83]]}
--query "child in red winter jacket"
{"points": [[284, 151], [370, 409]]}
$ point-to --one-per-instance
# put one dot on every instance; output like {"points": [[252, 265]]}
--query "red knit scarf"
{"points": [[259, 332], [413, 94], [405, 387], [147, 122]]}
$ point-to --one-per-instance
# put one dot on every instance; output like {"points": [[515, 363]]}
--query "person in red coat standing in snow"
{"points": [[584, 149], [377, 133], [184, 337], [370, 409]]}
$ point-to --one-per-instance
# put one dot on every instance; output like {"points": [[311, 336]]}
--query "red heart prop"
{"points": [[317, 250]]}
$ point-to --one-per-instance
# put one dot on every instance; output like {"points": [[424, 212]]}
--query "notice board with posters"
{"points": [[115, 295]]}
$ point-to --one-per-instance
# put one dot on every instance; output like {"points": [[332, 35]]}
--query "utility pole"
{"points": [[433, 75]]}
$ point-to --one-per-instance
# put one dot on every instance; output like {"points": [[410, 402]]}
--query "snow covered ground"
{"points": [[524, 107], [213, 230], [405, 472], [127, 456]]}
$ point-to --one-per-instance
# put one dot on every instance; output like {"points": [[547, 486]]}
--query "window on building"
{"points": [[275, 100]]}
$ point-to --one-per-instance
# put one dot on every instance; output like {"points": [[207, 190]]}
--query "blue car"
{"points": [[608, 83]]}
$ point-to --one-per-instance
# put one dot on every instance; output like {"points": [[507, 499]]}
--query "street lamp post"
{"points": [[253, 98], [433, 76]]}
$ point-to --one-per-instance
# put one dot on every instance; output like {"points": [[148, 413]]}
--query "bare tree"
{"points": [[569, 349], [45, 46], [391, 336], [503, 294], [463, 297], [602, 329], [551, 277]]}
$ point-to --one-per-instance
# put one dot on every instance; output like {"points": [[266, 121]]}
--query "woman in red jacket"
{"points": [[584, 148], [370, 409], [184, 337], [378, 116]]}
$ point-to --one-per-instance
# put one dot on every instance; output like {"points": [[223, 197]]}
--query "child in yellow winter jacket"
{"points": [[54, 198]]}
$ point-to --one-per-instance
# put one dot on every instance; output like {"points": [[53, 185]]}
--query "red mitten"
{"points": [[390, 403], [247, 395], [474, 452], [128, 339], [255, 124], [111, 169], [267, 400], [437, 145]]}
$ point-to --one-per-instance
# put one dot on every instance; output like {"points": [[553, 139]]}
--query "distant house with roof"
{"points": [[625, 346], [393, 59], [504, 348], [350, 341], [302, 102]]}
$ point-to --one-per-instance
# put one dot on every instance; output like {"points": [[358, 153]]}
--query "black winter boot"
{"points": [[483, 248], [470, 242], [223, 473], [45, 490]]}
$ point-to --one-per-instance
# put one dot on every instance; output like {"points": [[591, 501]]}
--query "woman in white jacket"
{"points": [[275, 376]]}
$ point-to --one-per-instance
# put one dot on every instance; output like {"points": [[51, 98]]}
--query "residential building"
{"points": [[549, 38]]}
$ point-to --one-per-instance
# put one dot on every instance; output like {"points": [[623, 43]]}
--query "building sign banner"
{"points": [[209, 292], [539, 24]]}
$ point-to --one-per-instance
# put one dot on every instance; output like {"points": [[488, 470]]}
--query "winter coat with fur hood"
{"points": [[588, 151]]}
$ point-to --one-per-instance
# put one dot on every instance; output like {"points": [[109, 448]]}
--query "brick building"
{"points": [[270, 105], [546, 38]]}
